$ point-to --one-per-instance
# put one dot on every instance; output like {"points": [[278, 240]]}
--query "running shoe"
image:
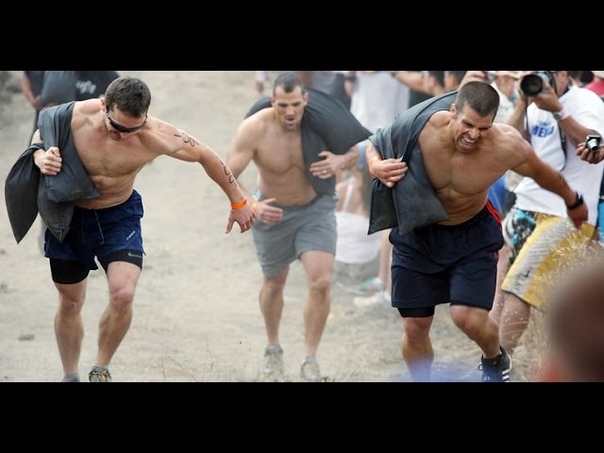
{"points": [[497, 369], [99, 376], [310, 371], [273, 364]]}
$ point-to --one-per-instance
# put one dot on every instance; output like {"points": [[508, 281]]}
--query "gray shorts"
{"points": [[302, 228]]}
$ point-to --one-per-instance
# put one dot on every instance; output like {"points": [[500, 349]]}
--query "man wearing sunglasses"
{"points": [[115, 138]]}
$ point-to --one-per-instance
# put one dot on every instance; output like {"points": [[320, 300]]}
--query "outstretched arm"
{"points": [[550, 179], [193, 150]]}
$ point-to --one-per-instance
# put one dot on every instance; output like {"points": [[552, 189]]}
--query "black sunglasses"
{"points": [[126, 130]]}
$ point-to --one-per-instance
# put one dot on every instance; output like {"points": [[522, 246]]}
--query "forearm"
{"points": [[556, 183], [39, 151], [574, 131], [413, 79], [26, 88], [221, 174], [349, 159], [371, 152], [516, 120]]}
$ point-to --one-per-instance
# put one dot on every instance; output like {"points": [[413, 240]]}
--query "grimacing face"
{"points": [[289, 107], [469, 126]]}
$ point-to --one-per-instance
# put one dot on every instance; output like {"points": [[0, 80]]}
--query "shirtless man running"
{"points": [[293, 221], [115, 138], [455, 261]]}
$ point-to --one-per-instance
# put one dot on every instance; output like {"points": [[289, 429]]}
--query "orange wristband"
{"points": [[241, 204]]}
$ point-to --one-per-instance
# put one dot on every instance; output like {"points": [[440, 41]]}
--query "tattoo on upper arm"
{"points": [[187, 138]]}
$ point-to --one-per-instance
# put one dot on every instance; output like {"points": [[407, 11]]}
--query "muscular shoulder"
{"points": [[512, 148], [255, 126], [439, 119], [84, 112], [508, 137]]}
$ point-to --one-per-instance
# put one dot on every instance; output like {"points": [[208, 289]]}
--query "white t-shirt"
{"points": [[587, 109], [354, 245], [377, 99]]}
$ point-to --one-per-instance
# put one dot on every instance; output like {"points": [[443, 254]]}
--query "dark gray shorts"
{"points": [[303, 228]]}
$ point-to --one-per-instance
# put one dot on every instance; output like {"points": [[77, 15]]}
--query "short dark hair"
{"points": [[288, 81], [479, 96], [129, 94]]}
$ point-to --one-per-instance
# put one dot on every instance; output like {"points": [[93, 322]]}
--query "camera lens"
{"points": [[531, 84], [592, 144]]}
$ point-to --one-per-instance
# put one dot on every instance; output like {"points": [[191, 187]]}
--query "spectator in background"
{"points": [[31, 86], [597, 84], [581, 78], [377, 98], [554, 120], [415, 80], [92, 84], [261, 78], [506, 85], [357, 253], [47, 88]]}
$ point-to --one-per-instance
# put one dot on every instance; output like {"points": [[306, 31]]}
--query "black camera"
{"points": [[532, 84], [592, 143]]}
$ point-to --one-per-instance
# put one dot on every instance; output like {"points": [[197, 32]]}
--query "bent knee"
{"points": [[321, 284], [469, 319], [122, 297]]}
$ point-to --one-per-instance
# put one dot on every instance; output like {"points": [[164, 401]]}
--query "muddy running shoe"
{"points": [[273, 364], [310, 371], [99, 376], [497, 369]]}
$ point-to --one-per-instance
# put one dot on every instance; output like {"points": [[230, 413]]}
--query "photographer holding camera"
{"points": [[555, 116]]}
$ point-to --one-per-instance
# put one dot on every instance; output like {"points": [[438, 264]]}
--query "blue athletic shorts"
{"points": [[441, 264], [110, 234]]}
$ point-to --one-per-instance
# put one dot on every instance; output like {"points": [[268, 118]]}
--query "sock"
{"points": [[75, 377], [99, 368]]}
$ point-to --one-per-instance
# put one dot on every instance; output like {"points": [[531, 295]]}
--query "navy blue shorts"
{"points": [[110, 234], [441, 264]]}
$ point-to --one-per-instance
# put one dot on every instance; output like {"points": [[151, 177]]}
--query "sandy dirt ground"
{"points": [[196, 314]]}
